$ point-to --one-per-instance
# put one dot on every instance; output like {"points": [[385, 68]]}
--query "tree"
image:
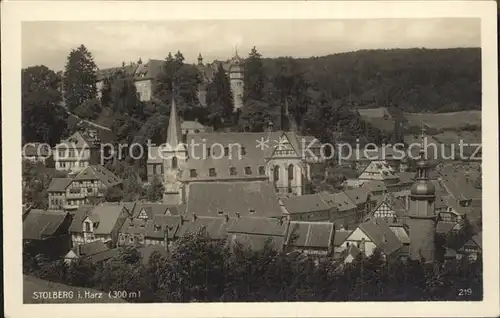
{"points": [[219, 96], [155, 190], [90, 109], [79, 78], [43, 120], [255, 116], [254, 76], [113, 194], [36, 179], [124, 98]]}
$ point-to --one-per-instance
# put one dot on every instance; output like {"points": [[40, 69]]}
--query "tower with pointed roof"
{"points": [[200, 59], [236, 75], [174, 155], [422, 213]]}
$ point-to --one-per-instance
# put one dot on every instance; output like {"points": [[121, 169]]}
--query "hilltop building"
{"points": [[146, 74]]}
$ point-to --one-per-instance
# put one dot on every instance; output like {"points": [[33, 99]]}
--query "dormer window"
{"points": [[248, 171], [193, 173], [211, 172], [232, 171]]}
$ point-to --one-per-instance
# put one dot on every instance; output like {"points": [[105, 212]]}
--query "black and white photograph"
{"points": [[253, 160]]}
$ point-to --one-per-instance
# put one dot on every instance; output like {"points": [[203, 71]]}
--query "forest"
{"points": [[197, 269]]}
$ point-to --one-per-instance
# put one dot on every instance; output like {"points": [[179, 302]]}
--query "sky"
{"points": [[49, 43]]}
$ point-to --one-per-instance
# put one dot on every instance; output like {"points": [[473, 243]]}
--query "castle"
{"points": [[146, 74], [277, 156]]}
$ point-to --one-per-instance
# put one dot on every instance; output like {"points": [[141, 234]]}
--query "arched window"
{"points": [[174, 163], [290, 172], [276, 173]]}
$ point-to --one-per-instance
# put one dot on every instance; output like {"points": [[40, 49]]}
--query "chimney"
{"points": [[194, 217]]}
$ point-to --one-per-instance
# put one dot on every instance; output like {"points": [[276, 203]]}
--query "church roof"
{"points": [[174, 135]]}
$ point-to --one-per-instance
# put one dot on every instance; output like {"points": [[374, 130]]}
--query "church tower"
{"points": [[175, 156], [422, 215], [236, 73]]}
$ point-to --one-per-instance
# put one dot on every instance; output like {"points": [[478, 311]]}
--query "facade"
{"points": [[228, 157], [234, 69], [90, 183], [98, 223], [422, 215], [77, 152]]}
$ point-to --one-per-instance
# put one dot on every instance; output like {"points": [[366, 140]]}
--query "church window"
{"points": [[290, 172], [211, 172], [276, 173], [248, 171], [192, 173], [262, 170], [232, 171], [174, 163]]}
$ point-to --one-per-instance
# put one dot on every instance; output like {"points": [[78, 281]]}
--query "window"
{"points": [[87, 226], [193, 173], [262, 170], [131, 239], [211, 172], [276, 173], [248, 170], [174, 163], [232, 171], [226, 151], [290, 172]]}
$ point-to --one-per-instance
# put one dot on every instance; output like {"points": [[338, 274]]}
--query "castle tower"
{"points": [[200, 59], [174, 159], [236, 74], [422, 215]]}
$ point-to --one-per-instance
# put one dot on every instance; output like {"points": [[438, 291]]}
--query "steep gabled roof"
{"points": [[305, 203], [310, 234], [59, 184], [382, 235], [98, 172], [106, 214], [38, 224]]}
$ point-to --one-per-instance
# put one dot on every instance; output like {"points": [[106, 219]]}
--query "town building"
{"points": [[90, 183], [255, 233], [473, 248], [92, 252], [309, 207], [276, 156], [374, 234], [77, 152], [98, 223], [46, 232], [311, 238]]}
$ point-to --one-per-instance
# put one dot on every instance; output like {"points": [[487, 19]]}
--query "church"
{"points": [[222, 157]]}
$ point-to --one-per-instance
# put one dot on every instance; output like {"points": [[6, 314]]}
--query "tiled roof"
{"points": [[112, 71], [232, 198], [258, 226], [149, 70], [105, 255], [401, 233], [445, 227], [358, 195], [38, 224], [153, 228], [340, 200], [151, 209], [374, 185], [79, 140], [59, 184], [107, 214], [191, 125], [406, 177], [310, 234], [478, 239], [215, 227], [340, 236], [98, 172], [257, 242], [460, 187], [378, 230], [305, 203]]}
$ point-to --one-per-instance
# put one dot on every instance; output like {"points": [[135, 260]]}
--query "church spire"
{"points": [[174, 135]]}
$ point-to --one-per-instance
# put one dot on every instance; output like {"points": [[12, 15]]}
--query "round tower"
{"points": [[422, 215], [236, 73]]}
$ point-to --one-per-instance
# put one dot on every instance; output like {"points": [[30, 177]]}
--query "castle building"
{"points": [[278, 157], [234, 69], [422, 216]]}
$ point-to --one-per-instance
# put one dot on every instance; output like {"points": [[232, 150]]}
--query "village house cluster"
{"points": [[259, 197]]}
